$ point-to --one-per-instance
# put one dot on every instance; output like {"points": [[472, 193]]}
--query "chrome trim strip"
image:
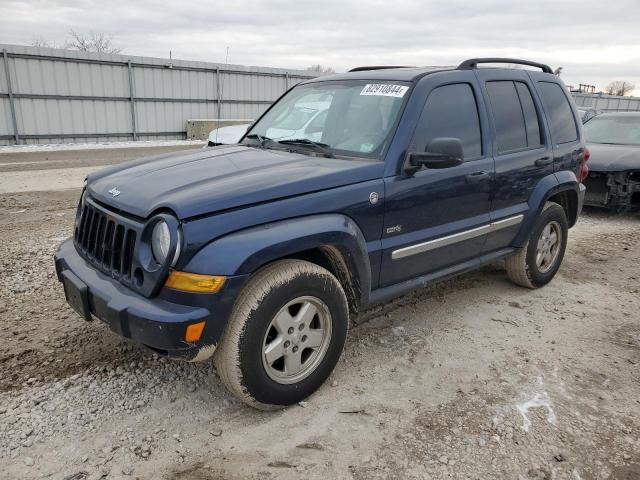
{"points": [[440, 242], [456, 237], [506, 222]]}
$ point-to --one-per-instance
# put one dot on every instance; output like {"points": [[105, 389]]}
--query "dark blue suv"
{"points": [[350, 190]]}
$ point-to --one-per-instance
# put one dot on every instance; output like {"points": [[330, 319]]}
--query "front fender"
{"points": [[546, 188], [245, 251]]}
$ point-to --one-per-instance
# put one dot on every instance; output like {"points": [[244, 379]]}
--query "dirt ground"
{"points": [[471, 378]]}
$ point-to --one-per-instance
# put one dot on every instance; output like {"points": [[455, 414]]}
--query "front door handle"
{"points": [[477, 177], [544, 161]]}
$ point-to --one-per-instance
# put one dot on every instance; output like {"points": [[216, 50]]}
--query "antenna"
{"points": [[221, 93]]}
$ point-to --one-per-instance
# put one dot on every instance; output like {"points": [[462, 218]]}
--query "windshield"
{"points": [[345, 117], [622, 130]]}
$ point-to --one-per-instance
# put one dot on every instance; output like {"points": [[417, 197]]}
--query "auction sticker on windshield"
{"points": [[384, 90]]}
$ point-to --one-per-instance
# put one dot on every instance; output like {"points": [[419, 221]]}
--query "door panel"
{"points": [[436, 218], [429, 206], [522, 151]]}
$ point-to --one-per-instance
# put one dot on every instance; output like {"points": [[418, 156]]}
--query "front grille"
{"points": [[104, 241]]}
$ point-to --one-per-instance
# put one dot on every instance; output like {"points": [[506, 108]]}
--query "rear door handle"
{"points": [[477, 177], [544, 161]]}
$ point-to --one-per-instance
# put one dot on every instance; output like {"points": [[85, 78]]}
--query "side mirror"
{"points": [[441, 152]]}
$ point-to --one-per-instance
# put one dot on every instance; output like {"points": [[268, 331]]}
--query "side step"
{"points": [[385, 294]]}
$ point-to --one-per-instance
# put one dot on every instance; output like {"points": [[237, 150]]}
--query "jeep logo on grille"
{"points": [[114, 192]]}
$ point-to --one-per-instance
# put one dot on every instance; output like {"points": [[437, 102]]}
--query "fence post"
{"points": [[133, 102], [219, 100], [14, 120], [286, 80]]}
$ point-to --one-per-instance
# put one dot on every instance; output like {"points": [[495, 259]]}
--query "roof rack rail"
{"points": [[377, 67], [473, 63]]}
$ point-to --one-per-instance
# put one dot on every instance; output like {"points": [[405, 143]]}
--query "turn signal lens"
{"points": [[194, 332], [194, 282]]}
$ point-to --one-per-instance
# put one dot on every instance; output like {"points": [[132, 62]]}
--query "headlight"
{"points": [[161, 241]]}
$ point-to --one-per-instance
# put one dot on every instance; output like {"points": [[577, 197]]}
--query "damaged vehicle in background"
{"points": [[614, 179]]}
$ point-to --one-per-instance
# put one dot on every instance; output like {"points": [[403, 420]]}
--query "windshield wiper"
{"points": [[262, 140], [321, 147]]}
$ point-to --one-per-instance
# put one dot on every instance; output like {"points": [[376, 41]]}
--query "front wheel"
{"points": [[537, 263], [285, 335]]}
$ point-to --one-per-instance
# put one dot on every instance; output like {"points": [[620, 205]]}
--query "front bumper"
{"points": [[613, 190], [158, 323]]}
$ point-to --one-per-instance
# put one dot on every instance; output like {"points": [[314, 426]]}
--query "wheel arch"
{"points": [[331, 241], [561, 188], [568, 200]]}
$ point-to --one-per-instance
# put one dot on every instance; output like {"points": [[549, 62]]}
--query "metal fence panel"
{"points": [[5, 118], [69, 96], [608, 103]]}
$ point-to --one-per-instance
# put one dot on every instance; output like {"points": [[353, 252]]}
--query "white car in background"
{"points": [[305, 121], [227, 135]]}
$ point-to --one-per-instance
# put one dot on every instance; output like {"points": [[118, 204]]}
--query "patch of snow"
{"points": [[51, 147], [539, 400]]}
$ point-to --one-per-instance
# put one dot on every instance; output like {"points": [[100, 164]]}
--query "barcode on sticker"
{"points": [[384, 90]]}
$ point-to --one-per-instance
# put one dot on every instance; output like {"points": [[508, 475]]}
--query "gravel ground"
{"points": [[470, 378]]}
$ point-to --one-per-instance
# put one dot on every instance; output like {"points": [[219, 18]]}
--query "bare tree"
{"points": [[317, 68], [619, 88], [558, 71], [91, 42], [41, 42]]}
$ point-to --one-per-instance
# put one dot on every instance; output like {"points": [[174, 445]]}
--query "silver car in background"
{"points": [[587, 114]]}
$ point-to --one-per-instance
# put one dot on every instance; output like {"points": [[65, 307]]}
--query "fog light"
{"points": [[194, 332], [194, 282]]}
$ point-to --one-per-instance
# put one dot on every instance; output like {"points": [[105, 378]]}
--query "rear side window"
{"points": [[534, 139], [451, 111], [514, 115], [563, 125]]}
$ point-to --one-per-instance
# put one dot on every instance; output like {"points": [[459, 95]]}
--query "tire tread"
{"points": [[516, 265], [227, 356]]}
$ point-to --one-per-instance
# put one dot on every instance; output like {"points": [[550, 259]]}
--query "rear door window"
{"points": [[511, 131], [514, 116], [534, 139], [451, 111], [563, 125]]}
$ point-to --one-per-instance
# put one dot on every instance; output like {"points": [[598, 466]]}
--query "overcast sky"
{"points": [[595, 41]]}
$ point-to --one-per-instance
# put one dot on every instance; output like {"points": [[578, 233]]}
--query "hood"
{"points": [[613, 158], [199, 182]]}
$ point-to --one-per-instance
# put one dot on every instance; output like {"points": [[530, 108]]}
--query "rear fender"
{"points": [[546, 188], [246, 251]]}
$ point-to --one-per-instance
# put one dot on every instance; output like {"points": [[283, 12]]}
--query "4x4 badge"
{"points": [[114, 192]]}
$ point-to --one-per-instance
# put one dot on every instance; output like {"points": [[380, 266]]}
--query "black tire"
{"points": [[522, 267], [239, 357]]}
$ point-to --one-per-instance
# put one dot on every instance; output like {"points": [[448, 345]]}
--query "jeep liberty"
{"points": [[257, 254]]}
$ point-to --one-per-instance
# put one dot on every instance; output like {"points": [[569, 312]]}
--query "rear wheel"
{"points": [[285, 335], [537, 263]]}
